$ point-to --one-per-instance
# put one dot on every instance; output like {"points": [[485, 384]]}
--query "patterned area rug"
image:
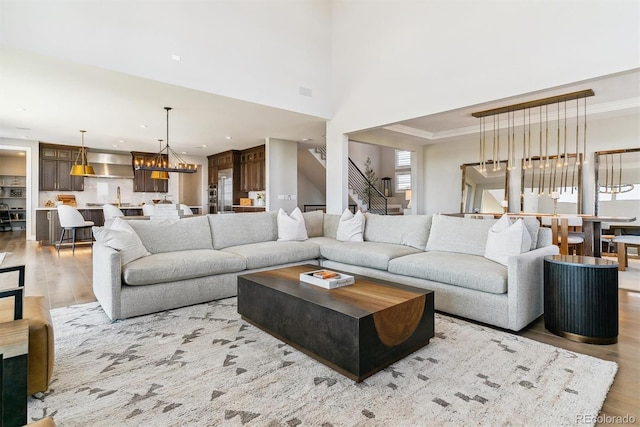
{"points": [[204, 366]]}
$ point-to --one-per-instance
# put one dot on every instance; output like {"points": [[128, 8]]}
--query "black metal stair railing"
{"points": [[376, 201]]}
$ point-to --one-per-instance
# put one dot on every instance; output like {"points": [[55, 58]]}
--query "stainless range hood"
{"points": [[110, 165]]}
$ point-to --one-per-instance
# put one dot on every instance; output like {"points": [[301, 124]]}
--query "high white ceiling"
{"points": [[48, 99]]}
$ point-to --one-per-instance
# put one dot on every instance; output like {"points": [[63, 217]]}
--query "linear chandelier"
{"points": [[83, 168], [161, 163], [612, 184], [545, 154]]}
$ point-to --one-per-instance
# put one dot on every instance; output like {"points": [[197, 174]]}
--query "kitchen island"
{"points": [[48, 228]]}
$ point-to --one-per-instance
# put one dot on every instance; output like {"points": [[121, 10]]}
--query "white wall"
{"points": [[253, 50], [442, 175], [282, 174], [395, 60]]}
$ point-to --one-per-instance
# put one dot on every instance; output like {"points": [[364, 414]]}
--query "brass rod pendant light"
{"points": [[81, 167]]}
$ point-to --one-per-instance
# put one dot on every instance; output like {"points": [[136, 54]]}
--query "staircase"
{"points": [[366, 197]]}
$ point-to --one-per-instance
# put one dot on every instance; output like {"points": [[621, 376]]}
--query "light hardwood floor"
{"points": [[65, 279]]}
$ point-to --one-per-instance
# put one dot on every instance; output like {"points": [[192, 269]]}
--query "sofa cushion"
{"points": [[409, 230], [291, 226], [330, 225], [365, 254], [121, 237], [506, 239], [314, 222], [271, 254], [169, 235], [173, 266], [351, 227], [242, 228], [464, 270], [462, 235]]}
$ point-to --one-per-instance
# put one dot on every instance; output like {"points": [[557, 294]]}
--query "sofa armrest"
{"points": [[107, 279], [525, 288]]}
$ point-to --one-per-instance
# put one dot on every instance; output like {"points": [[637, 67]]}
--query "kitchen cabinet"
{"points": [[227, 162], [55, 168], [244, 209], [48, 228], [142, 182], [252, 169]]}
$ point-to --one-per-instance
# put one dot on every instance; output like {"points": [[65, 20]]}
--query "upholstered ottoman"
{"points": [[41, 346]]}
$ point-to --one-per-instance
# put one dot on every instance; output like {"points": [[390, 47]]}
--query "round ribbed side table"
{"points": [[581, 298]]}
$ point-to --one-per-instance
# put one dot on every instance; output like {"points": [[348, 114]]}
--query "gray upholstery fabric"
{"points": [[173, 235], [462, 235], [272, 254], [545, 236], [471, 304], [314, 222], [174, 266], [467, 271], [242, 228], [368, 254], [330, 225], [410, 230]]}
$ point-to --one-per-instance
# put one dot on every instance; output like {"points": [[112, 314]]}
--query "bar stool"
{"points": [[71, 219]]}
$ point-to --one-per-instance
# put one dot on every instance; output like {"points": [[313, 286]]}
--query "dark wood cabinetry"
{"points": [[55, 168], [142, 181], [252, 169], [48, 228], [228, 161]]}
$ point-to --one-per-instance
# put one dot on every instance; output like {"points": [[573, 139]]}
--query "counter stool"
{"points": [[41, 340], [70, 220]]}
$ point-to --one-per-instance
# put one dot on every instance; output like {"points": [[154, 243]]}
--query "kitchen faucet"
{"points": [[118, 196]]}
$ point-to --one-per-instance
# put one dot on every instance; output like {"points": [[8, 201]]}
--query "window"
{"points": [[403, 170]]}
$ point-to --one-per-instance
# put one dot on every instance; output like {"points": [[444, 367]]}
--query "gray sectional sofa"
{"points": [[198, 259]]}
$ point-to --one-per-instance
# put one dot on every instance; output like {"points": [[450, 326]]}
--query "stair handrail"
{"points": [[359, 184]]}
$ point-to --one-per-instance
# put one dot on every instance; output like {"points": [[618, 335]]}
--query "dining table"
{"points": [[591, 226]]}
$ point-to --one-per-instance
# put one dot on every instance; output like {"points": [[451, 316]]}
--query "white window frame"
{"points": [[402, 161]]}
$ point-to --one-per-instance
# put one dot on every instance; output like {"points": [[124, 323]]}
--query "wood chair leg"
{"points": [[622, 256]]}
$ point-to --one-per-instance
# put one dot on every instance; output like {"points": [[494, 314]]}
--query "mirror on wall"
{"points": [[552, 184], [484, 190], [617, 174]]}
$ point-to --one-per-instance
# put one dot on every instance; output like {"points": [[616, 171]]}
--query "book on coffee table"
{"points": [[327, 279]]}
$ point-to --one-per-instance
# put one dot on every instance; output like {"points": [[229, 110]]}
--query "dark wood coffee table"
{"points": [[356, 330]]}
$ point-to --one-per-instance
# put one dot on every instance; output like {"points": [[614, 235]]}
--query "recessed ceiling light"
{"points": [[228, 137], [144, 126], [115, 146], [184, 152], [204, 145], [21, 109], [122, 141]]}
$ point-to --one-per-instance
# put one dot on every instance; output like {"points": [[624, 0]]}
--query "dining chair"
{"points": [[186, 210], [622, 244], [70, 220], [561, 234]]}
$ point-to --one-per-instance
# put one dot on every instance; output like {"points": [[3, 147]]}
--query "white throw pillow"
{"points": [[350, 227], [291, 227], [121, 237], [505, 240]]}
